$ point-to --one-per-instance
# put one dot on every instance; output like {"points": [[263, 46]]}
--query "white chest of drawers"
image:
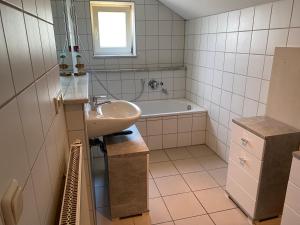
{"points": [[259, 164], [291, 211]]}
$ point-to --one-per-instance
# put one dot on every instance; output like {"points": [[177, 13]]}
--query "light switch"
{"points": [[12, 204]]}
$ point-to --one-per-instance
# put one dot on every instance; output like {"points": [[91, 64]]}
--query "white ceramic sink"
{"points": [[111, 117]]}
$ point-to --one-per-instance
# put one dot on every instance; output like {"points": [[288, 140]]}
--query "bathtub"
{"points": [[168, 107], [172, 123]]}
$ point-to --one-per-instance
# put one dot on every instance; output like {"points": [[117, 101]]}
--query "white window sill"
{"points": [[115, 56]]}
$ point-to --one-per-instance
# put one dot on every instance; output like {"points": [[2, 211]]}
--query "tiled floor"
{"points": [[186, 187]]}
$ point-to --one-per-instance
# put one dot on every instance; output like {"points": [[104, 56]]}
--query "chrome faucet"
{"points": [[96, 102]]}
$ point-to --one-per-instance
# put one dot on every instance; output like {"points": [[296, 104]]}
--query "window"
{"points": [[113, 26]]}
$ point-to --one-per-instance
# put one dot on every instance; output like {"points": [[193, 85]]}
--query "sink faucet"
{"points": [[95, 102]]}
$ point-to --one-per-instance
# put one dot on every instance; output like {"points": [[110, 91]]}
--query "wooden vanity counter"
{"points": [[127, 161]]}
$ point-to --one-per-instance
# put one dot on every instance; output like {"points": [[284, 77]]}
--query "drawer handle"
{"points": [[244, 141], [242, 160]]}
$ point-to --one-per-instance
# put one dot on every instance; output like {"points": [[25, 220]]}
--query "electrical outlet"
{"points": [[12, 204]]}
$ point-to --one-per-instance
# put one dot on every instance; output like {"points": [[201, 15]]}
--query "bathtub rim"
{"points": [[198, 109]]}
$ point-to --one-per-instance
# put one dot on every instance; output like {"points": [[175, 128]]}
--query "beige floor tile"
{"points": [[167, 223], [199, 151], [212, 162], [197, 220], [219, 175], [178, 153], [171, 185], [101, 197], [149, 175], [199, 181], [153, 191], [158, 156], [103, 218], [162, 169], [229, 217], [214, 200], [275, 221], [183, 205], [158, 211], [142, 220], [188, 165]]}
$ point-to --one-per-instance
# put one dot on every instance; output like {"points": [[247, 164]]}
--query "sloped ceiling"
{"points": [[189, 9]]}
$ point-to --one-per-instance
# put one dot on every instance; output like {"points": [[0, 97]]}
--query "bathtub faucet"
{"points": [[154, 84]]}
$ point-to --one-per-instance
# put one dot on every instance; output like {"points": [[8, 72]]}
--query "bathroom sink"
{"points": [[111, 117]]}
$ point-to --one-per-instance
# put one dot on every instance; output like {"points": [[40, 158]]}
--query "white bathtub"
{"points": [[169, 123], [168, 107]]}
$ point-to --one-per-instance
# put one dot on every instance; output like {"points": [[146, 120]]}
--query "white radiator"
{"points": [[70, 210]]}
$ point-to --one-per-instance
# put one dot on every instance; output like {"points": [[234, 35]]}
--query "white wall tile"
{"points": [[30, 213], [256, 65], [237, 104], [13, 150], [164, 13], [227, 81], [31, 122], [262, 16], [244, 42], [169, 140], [154, 142], [246, 93], [17, 3], [281, 14], [277, 38], [35, 46], [217, 80], [184, 139], [261, 109], [233, 21], [185, 124], [250, 108], [268, 67], [154, 127], [264, 91], [212, 24], [216, 95], [44, 103], [259, 42], [198, 137], [224, 116], [253, 88], [294, 40], [53, 159], [42, 189], [246, 19], [239, 84], [226, 99], [295, 22], [6, 84], [17, 47], [170, 126], [231, 42], [222, 22], [199, 123], [241, 64], [221, 42], [229, 62]]}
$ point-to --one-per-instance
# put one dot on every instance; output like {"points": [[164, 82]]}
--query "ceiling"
{"points": [[189, 9]]}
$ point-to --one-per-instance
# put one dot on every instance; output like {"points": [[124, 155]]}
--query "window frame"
{"points": [[105, 6]]}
